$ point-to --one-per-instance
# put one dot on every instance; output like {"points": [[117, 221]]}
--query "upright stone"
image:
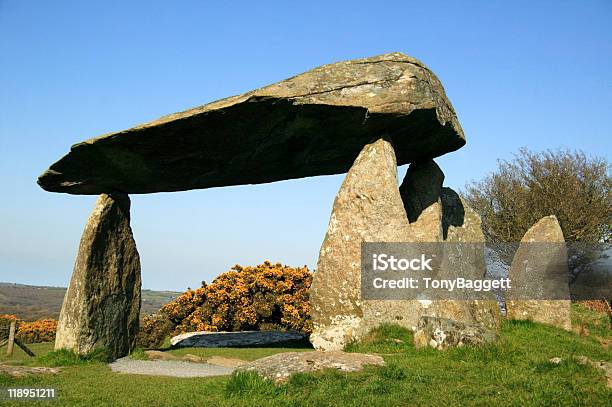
{"points": [[368, 208], [539, 270], [420, 192], [462, 227], [102, 304], [438, 214]]}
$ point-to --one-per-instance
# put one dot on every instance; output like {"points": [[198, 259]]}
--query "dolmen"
{"points": [[362, 117]]}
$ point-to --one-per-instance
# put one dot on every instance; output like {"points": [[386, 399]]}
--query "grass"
{"points": [[597, 323], [20, 357], [47, 356], [245, 353], [139, 354], [516, 371]]}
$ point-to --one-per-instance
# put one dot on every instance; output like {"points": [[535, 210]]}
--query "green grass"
{"points": [[244, 353], [139, 354], [20, 357], [516, 371], [47, 356], [597, 323]]}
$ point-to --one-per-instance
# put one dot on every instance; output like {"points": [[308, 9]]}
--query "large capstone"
{"points": [[315, 123], [368, 208], [102, 304], [539, 271]]}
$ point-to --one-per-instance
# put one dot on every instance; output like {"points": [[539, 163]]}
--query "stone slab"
{"points": [[311, 124], [230, 339]]}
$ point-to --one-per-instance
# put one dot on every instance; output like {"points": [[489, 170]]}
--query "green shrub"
{"points": [[265, 297]]}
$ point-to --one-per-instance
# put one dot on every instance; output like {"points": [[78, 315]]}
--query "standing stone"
{"points": [[461, 224], [368, 208], [102, 304], [420, 192], [438, 214], [539, 269]]}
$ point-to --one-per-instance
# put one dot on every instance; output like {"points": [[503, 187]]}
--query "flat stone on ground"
{"points": [[281, 366], [172, 368], [22, 371], [230, 339], [226, 362]]}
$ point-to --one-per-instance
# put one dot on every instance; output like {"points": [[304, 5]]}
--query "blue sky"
{"points": [[534, 74]]}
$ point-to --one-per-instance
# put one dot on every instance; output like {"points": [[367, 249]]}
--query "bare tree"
{"points": [[568, 184]]}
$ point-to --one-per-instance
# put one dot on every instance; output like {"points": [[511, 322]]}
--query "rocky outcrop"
{"points": [[368, 208], [311, 124], [281, 366], [102, 304], [539, 277], [443, 333]]}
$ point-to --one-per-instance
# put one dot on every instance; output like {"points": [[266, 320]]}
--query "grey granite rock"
{"points": [[368, 208], [281, 366], [539, 271], [102, 304], [229, 339], [443, 333], [314, 123]]}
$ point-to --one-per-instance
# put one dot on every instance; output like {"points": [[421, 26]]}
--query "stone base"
{"points": [[443, 333]]}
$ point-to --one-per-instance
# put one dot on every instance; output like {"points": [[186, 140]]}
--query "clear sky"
{"points": [[522, 73]]}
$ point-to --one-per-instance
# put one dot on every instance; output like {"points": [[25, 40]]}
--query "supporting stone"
{"points": [[102, 304], [420, 192], [368, 208], [461, 224], [539, 269], [438, 214]]}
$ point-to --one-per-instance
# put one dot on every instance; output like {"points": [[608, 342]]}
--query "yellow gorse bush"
{"points": [[266, 296], [42, 330]]}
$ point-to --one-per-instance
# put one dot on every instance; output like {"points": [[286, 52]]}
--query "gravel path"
{"points": [[168, 368]]}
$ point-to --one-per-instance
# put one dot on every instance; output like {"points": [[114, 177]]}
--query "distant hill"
{"points": [[32, 302]]}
